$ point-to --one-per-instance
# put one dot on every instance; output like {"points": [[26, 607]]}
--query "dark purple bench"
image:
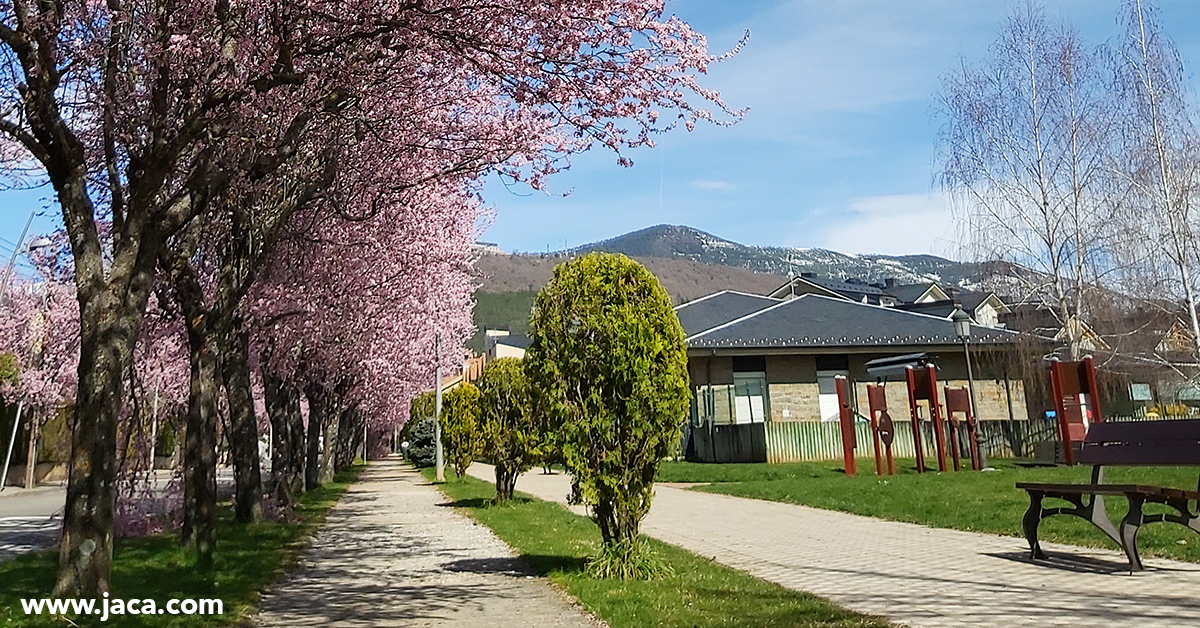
{"points": [[1125, 443]]}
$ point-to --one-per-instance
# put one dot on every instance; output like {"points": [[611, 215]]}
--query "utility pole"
{"points": [[12, 261], [11, 441], [437, 411]]}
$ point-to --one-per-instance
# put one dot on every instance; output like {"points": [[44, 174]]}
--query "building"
{"points": [[763, 368], [499, 343], [985, 308]]}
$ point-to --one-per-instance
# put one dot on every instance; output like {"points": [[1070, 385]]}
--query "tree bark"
{"points": [[506, 482], [330, 444], [243, 436], [85, 553], [316, 427], [200, 451], [348, 428], [287, 449]]}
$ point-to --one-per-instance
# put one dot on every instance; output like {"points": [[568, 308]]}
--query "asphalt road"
{"points": [[29, 519]]}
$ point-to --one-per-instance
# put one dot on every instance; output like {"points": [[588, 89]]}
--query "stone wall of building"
{"points": [[793, 394], [794, 402]]}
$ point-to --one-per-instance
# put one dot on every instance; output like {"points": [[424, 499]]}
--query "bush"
{"points": [[509, 431], [607, 360], [421, 451], [462, 437]]}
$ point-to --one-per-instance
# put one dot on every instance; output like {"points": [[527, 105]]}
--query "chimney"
{"points": [[889, 282], [809, 275]]}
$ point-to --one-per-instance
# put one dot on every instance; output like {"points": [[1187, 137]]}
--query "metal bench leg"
{"points": [[1129, 531], [1033, 517], [1099, 518]]}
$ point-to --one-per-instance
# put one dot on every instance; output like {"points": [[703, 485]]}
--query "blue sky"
{"points": [[836, 151]]}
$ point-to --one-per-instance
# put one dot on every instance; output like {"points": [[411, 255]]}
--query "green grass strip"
{"points": [[556, 543], [247, 560], [987, 501]]}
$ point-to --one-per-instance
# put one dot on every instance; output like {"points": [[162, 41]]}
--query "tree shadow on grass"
{"points": [[480, 503], [523, 565]]}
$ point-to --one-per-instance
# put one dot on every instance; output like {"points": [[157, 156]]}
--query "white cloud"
{"points": [[708, 184], [898, 224]]}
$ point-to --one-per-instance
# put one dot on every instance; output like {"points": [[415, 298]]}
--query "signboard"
{"points": [[1140, 392]]}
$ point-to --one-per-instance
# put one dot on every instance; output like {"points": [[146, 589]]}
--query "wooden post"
{"points": [[918, 447], [959, 400], [1089, 375], [1060, 411], [881, 427], [929, 391], [846, 416]]}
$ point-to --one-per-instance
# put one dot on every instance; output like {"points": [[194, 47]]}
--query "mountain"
{"points": [[681, 242], [690, 264]]}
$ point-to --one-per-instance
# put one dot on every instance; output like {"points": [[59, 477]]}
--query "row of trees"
{"points": [[294, 186], [1079, 166], [494, 420]]}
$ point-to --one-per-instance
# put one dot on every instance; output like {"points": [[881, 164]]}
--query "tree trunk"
{"points": [[287, 459], [330, 445], [281, 439], [200, 451], [347, 430], [85, 553], [316, 426], [506, 482], [296, 428], [243, 436]]}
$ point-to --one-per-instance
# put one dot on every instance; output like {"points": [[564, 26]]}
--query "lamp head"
{"points": [[962, 323]]}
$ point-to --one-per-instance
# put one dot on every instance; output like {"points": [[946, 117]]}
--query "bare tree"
{"points": [[1023, 150], [1156, 164]]}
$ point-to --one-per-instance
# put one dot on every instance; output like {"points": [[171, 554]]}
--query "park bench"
{"points": [[1132, 443]]}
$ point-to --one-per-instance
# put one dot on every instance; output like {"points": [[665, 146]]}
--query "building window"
{"points": [[828, 368], [750, 397]]}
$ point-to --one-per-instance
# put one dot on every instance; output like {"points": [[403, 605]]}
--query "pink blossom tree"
{"points": [[135, 110]]}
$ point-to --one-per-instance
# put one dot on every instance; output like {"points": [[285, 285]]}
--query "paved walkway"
{"points": [[925, 577], [394, 553]]}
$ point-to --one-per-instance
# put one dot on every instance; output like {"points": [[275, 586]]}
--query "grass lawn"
{"points": [[702, 594], [248, 558], [980, 502]]}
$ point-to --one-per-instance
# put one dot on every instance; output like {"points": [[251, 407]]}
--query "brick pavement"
{"points": [[914, 575], [393, 552]]}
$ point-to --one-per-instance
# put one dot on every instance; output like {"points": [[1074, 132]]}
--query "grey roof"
{"points": [[941, 309], [520, 341], [818, 321], [908, 293], [719, 308], [970, 301]]}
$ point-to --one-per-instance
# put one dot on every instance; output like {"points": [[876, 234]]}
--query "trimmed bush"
{"points": [[607, 361]]}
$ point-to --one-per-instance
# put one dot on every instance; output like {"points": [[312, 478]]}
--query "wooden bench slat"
{"points": [[1146, 453], [1093, 489], [1172, 430]]}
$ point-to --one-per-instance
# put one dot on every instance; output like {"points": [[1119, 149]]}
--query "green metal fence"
{"points": [[811, 441]]}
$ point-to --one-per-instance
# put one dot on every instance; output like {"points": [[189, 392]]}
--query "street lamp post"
{"points": [[962, 328]]}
